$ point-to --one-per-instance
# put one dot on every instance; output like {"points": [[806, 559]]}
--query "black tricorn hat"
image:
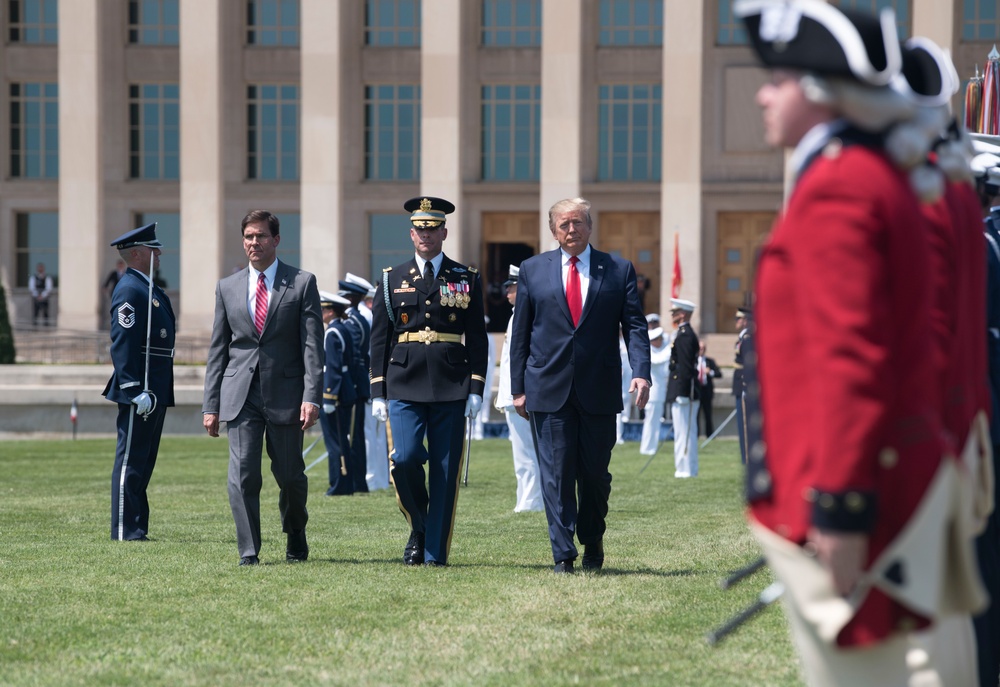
{"points": [[928, 75], [813, 36]]}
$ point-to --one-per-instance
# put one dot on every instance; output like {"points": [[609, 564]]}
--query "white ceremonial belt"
{"points": [[158, 351]]}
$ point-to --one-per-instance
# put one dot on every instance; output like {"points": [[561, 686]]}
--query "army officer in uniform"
{"points": [[142, 404], [425, 379]]}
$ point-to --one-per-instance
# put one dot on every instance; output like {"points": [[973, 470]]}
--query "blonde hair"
{"points": [[569, 205]]}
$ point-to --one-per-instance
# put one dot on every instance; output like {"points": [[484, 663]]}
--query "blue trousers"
{"points": [[428, 508], [335, 428], [135, 457], [574, 453]]}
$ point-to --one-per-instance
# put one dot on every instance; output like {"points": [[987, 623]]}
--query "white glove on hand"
{"points": [[143, 403], [473, 405], [380, 411], [329, 408]]}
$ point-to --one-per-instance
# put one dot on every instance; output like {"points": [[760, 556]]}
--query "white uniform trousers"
{"points": [[651, 422], [684, 413], [376, 452], [529, 485]]}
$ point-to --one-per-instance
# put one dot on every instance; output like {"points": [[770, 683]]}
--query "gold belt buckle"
{"points": [[427, 337]]}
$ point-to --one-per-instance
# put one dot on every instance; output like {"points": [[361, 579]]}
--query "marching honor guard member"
{"points": [[855, 496], [142, 352], [339, 393], [425, 380]]}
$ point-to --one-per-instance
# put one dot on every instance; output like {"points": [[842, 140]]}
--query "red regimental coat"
{"points": [[845, 367]]}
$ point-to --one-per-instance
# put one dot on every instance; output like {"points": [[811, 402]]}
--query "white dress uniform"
{"points": [[658, 359], [529, 486], [626, 383], [491, 365]]}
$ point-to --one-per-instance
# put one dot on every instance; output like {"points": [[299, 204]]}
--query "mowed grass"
{"points": [[79, 609]]}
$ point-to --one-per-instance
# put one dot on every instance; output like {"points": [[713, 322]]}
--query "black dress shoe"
{"points": [[564, 566], [249, 560], [436, 564], [593, 556], [413, 554], [297, 549]]}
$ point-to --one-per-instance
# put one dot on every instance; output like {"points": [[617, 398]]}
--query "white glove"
{"points": [[473, 405], [329, 408], [380, 411], [143, 403]]}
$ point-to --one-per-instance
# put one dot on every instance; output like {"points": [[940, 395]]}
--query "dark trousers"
{"points": [[429, 509], [987, 623], [574, 452], [335, 428], [40, 308], [705, 411], [357, 467], [135, 457], [249, 433], [741, 427]]}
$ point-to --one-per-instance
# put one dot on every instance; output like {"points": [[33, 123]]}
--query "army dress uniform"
{"points": [[425, 371], [138, 436]]}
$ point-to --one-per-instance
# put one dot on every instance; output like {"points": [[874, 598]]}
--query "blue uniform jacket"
{"points": [[338, 383], [129, 304]]}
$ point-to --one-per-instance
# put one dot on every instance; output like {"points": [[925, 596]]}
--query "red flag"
{"points": [[676, 280]]}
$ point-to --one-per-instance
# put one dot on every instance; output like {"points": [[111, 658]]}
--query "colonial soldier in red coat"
{"points": [[854, 492]]}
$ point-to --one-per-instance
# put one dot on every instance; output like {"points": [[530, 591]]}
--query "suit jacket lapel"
{"points": [[597, 268], [555, 274], [240, 293]]}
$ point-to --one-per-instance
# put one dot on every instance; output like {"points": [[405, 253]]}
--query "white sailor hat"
{"points": [[652, 317], [655, 333], [512, 274], [681, 304]]}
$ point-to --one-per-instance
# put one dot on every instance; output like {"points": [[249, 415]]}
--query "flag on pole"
{"points": [[676, 280], [73, 412]]}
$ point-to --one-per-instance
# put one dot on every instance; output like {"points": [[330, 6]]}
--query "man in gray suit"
{"points": [[264, 379]]}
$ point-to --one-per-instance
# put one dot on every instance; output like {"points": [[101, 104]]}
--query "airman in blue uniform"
{"points": [[429, 357], [339, 393], [143, 381], [361, 334]]}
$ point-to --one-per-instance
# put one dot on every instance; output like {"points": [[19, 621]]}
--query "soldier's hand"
{"points": [[473, 405], [843, 554], [329, 408], [143, 403], [380, 411], [308, 414], [210, 421]]}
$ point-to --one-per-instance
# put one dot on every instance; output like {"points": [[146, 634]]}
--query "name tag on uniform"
{"points": [[409, 290]]}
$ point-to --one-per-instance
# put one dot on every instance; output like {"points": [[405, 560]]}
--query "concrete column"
{"points": [[562, 93], [81, 189], [934, 19], [202, 216], [680, 192], [441, 107], [321, 125]]}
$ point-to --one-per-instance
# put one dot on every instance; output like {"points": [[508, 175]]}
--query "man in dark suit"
{"points": [[708, 370], [264, 379], [425, 380], [566, 374], [142, 383]]}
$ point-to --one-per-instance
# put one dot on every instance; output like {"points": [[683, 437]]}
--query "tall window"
{"points": [[392, 132], [511, 127], [980, 20], [392, 23], [630, 132], [153, 22], [630, 22], [33, 21], [37, 242], [154, 131], [168, 231], [273, 132], [512, 22], [390, 242], [290, 248], [273, 22], [730, 30], [901, 8], [34, 130]]}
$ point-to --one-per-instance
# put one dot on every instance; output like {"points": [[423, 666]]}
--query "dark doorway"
{"points": [[499, 258]]}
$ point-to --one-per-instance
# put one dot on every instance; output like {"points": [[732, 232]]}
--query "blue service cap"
{"points": [[143, 236], [428, 212]]}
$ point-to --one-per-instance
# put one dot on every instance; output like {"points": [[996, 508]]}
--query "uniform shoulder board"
{"points": [[473, 270], [387, 269]]}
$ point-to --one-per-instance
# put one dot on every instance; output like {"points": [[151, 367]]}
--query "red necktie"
{"points": [[260, 306], [573, 298]]}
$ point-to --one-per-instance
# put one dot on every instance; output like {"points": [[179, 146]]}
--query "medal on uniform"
{"points": [[404, 318], [444, 294], [452, 317]]}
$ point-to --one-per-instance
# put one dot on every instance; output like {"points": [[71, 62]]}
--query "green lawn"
{"points": [[79, 609]]}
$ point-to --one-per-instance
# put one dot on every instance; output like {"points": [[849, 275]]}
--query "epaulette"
{"points": [[387, 269], [473, 270]]}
